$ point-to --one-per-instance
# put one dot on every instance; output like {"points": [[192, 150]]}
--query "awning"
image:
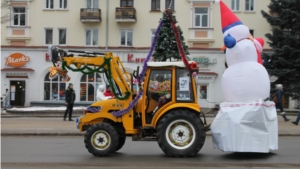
{"points": [[18, 69]]}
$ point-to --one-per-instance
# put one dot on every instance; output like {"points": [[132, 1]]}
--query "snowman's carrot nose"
{"points": [[223, 48]]}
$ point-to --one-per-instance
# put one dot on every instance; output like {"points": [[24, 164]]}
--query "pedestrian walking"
{"points": [[278, 100], [297, 120], [70, 98], [6, 100]]}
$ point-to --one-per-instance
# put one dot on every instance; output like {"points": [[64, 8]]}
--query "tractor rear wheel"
{"points": [[101, 139], [180, 133]]}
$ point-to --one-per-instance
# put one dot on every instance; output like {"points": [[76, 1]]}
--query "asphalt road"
{"points": [[46, 152]]}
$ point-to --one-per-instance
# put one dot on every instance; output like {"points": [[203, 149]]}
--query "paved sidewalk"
{"points": [[56, 126]]}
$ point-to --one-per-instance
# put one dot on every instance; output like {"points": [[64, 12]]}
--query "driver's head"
{"points": [[160, 78]]}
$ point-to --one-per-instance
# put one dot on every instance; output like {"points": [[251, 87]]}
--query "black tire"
{"points": [[177, 124], [121, 143], [105, 133]]}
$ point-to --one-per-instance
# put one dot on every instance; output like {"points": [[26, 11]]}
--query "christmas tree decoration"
{"points": [[284, 61], [167, 47]]}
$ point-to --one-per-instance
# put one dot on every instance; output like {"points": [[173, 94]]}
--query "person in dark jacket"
{"points": [[297, 120], [279, 94], [70, 98]]}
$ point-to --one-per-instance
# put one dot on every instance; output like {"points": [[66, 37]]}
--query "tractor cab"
{"points": [[168, 86]]}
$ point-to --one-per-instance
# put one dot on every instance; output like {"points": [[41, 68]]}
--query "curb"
{"points": [[43, 134], [36, 116], [83, 133]]}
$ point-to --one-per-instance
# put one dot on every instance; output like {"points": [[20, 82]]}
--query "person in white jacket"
{"points": [[6, 100], [100, 93]]}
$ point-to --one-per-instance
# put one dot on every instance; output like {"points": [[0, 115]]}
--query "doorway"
{"points": [[17, 93]]}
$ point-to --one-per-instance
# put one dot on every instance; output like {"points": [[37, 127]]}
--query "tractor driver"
{"points": [[161, 99]]}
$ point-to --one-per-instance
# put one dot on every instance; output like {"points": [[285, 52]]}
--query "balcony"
{"points": [[125, 14], [90, 15]]}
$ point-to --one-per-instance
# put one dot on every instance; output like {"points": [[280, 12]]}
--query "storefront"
{"points": [[25, 73]]}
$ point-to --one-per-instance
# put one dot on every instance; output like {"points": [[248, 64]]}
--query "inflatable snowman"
{"points": [[245, 122]]}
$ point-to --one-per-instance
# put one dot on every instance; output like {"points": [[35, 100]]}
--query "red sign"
{"points": [[132, 59], [17, 60], [48, 57]]}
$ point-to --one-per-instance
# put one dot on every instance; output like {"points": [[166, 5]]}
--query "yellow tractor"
{"points": [[164, 109]]}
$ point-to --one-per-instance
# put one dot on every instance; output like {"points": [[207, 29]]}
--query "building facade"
{"points": [[124, 27]]}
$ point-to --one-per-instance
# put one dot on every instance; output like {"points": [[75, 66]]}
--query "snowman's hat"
{"points": [[228, 18]]}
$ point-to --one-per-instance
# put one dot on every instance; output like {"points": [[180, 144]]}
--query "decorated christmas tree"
{"points": [[166, 47], [284, 62]]}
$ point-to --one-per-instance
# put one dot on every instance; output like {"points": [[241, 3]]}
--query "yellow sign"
{"points": [[17, 60]]}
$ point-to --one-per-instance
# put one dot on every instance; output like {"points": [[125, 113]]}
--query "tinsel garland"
{"points": [[178, 42], [131, 105], [110, 81], [97, 70], [93, 109], [83, 68], [143, 72], [141, 75]]}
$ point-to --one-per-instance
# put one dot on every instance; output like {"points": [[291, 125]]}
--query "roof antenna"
{"points": [[170, 4]]}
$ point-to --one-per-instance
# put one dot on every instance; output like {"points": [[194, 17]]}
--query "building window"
{"points": [[126, 38], [152, 35], [91, 37], [168, 2], [249, 6], [63, 4], [126, 3], [203, 92], [19, 14], [88, 86], [62, 36], [92, 3], [201, 17], [251, 32], [54, 89], [48, 36], [155, 5], [49, 4], [235, 5]]}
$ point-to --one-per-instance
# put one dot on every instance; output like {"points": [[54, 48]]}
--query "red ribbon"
{"points": [[192, 66]]}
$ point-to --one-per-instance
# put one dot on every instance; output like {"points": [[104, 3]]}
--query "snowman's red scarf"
{"points": [[242, 39], [259, 59]]}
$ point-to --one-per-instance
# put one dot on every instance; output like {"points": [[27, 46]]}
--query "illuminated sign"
{"points": [[17, 60]]}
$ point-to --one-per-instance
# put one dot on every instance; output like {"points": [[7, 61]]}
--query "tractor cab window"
{"points": [[158, 92], [184, 88], [159, 83]]}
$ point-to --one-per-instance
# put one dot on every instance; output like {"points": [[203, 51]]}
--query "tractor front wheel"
{"points": [[101, 139], [180, 133]]}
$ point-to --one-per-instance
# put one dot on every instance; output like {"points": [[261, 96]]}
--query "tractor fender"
{"points": [[95, 118], [157, 117]]}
